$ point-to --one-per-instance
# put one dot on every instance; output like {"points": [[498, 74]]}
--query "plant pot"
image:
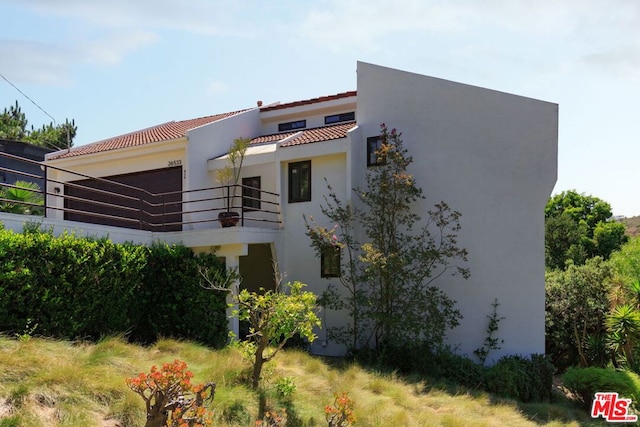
{"points": [[228, 219]]}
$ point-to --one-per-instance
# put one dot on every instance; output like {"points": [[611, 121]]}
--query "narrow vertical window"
{"points": [[251, 193], [373, 145], [300, 181], [330, 261]]}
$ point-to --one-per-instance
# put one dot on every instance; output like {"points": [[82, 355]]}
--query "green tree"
{"points": [[578, 227], [626, 262], [13, 123], [274, 316], [13, 126], [389, 279], [577, 305]]}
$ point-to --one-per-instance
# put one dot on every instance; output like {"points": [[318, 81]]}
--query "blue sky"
{"points": [[121, 65]]}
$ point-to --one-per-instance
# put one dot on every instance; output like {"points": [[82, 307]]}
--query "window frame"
{"points": [[330, 261], [339, 118], [372, 158], [297, 196], [294, 125], [251, 198]]}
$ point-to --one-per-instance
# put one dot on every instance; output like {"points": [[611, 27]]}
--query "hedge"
{"points": [[86, 288]]}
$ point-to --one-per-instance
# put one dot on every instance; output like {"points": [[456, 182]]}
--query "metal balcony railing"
{"points": [[84, 198]]}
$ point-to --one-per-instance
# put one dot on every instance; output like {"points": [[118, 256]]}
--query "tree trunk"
{"points": [[258, 362], [156, 418], [156, 413]]}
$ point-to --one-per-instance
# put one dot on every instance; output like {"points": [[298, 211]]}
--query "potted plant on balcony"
{"points": [[229, 177]]}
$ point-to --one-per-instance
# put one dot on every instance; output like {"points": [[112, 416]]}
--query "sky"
{"points": [[121, 65]]}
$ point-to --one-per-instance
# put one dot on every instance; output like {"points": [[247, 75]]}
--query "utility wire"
{"points": [[41, 109], [32, 101]]}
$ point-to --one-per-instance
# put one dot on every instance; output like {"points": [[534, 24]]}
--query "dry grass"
{"points": [[633, 225], [53, 383]]}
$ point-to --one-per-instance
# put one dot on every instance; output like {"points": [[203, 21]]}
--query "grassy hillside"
{"points": [[52, 383], [633, 225]]}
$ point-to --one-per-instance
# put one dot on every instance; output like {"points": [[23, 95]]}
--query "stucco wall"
{"points": [[211, 141], [491, 156], [297, 259]]}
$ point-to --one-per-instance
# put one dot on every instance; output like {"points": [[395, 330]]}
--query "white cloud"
{"points": [[35, 62], [347, 24], [111, 49], [196, 16], [621, 60]]}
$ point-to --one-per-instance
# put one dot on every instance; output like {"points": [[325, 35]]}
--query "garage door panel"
{"points": [[151, 200]]}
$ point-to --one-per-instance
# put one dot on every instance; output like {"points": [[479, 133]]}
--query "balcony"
{"points": [[86, 199]]}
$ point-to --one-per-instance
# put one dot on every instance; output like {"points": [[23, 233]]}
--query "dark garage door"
{"points": [[160, 211]]}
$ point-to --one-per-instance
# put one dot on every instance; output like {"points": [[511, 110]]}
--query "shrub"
{"points": [[170, 398], [341, 413], [171, 302], [585, 382], [439, 364], [70, 287], [527, 380]]}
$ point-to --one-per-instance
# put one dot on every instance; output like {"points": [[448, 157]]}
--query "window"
{"points": [[337, 118], [300, 124], [330, 261], [251, 196], [300, 181], [373, 145]]}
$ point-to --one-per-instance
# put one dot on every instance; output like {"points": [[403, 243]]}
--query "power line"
{"points": [[32, 101], [41, 109]]}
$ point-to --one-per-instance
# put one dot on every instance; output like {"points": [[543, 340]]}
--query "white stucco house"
{"points": [[490, 155]]}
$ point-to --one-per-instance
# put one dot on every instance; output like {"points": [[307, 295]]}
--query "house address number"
{"points": [[175, 163]]}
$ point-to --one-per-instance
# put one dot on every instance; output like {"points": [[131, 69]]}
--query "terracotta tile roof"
{"points": [[272, 138], [164, 132], [307, 136], [309, 101]]}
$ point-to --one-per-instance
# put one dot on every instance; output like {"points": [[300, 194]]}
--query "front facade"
{"points": [[489, 155]]}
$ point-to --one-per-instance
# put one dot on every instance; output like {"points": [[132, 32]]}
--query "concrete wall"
{"points": [[491, 156]]}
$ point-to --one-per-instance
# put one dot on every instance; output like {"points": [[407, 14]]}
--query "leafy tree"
{"points": [[577, 305], [388, 279], [13, 126], [626, 262], [578, 227], [274, 316]]}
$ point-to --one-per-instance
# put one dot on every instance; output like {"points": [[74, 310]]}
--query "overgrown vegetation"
{"points": [[592, 297], [70, 287], [77, 384], [387, 281]]}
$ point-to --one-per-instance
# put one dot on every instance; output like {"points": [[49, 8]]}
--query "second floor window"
{"points": [[251, 196], [298, 124], [300, 181]]}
